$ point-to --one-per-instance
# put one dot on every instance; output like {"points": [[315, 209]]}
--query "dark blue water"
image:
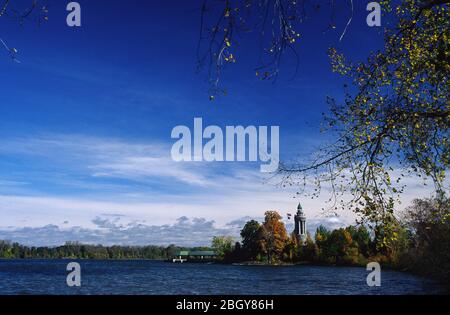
{"points": [[155, 277]]}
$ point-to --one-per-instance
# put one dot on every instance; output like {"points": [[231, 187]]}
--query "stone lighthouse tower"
{"points": [[300, 225]]}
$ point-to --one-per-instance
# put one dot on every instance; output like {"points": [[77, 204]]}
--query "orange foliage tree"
{"points": [[274, 235]]}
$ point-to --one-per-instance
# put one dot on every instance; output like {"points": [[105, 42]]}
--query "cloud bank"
{"points": [[111, 231]]}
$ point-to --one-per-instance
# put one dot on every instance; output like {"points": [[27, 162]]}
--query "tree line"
{"points": [[419, 243], [75, 250]]}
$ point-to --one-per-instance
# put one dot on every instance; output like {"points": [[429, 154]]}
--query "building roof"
{"points": [[202, 253], [196, 253]]}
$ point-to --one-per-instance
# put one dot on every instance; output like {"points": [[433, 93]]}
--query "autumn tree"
{"points": [[274, 235], [339, 248], [291, 248], [394, 120]]}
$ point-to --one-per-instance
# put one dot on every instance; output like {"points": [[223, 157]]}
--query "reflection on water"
{"points": [[155, 277]]}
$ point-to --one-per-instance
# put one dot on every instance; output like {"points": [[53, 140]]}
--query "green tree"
{"points": [[322, 234], [222, 245], [310, 251], [361, 236], [428, 221], [251, 235]]}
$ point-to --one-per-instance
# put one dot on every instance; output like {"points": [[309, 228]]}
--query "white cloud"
{"points": [[219, 192], [184, 231], [109, 158], [140, 168]]}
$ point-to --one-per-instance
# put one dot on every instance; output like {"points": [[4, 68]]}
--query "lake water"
{"points": [[156, 277]]}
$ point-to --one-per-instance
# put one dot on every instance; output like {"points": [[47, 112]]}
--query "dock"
{"points": [[194, 256]]}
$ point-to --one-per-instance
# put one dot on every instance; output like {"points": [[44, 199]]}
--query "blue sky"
{"points": [[87, 114]]}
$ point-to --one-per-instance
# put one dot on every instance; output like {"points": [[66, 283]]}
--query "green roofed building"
{"points": [[200, 255], [183, 253]]}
